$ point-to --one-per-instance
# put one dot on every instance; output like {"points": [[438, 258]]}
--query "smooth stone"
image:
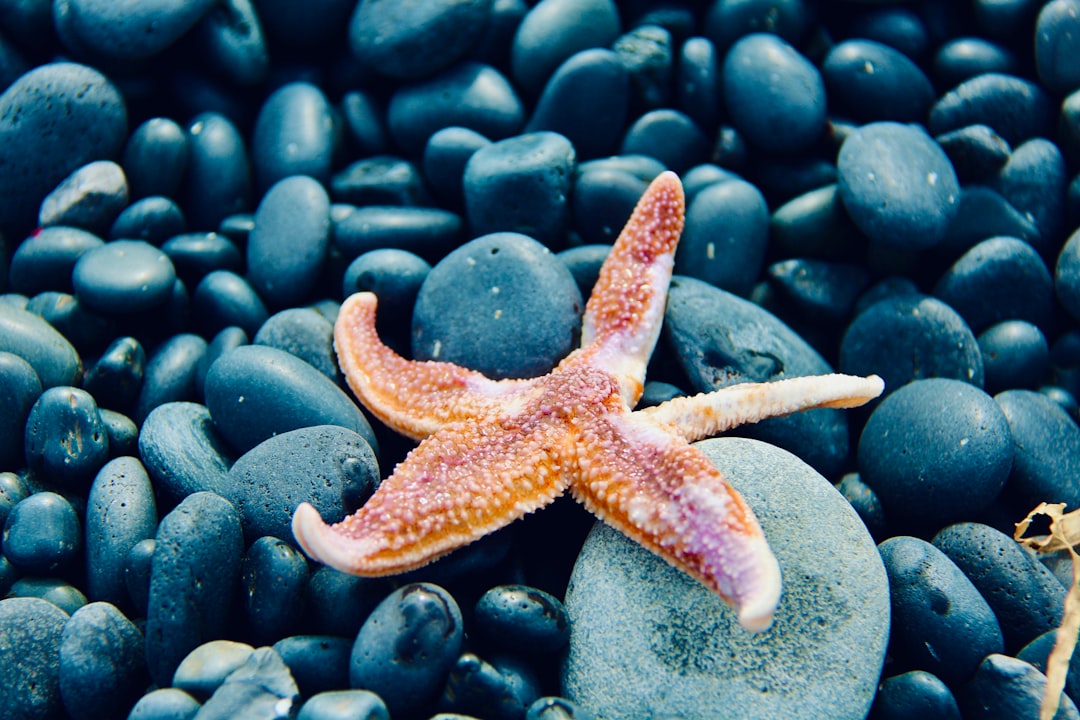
{"points": [[1067, 275], [944, 424], [319, 663], [27, 335], [329, 466], [898, 185], [287, 248], [470, 95], [501, 689], [193, 581], [196, 255], [344, 705], [275, 577], [102, 669], [407, 646], [137, 567], [13, 490], [63, 595], [584, 263], [19, 390], [522, 619], [155, 158], [89, 198], [183, 452], [88, 331], [1034, 181], [720, 339], [963, 58], [728, 20], [445, 155], [818, 291], [586, 101], [261, 688], [426, 231], [122, 431], [536, 169], [154, 219], [698, 74], [204, 669], [224, 299], [502, 304], [983, 214], [416, 38], [645, 51], [394, 275], [302, 332], [364, 117], [170, 373], [1038, 651], [1047, 450], [774, 96], [672, 649], [54, 119], [1057, 44], [234, 45], [65, 440], [133, 33], [42, 534], [814, 224], [44, 260], [255, 392], [123, 277], [725, 236], [976, 152], [909, 337], [914, 694], [1005, 687], [340, 603], [1001, 278], [669, 136], [1015, 108], [940, 622], [380, 180], [165, 704], [602, 200], [553, 31], [1015, 355], [866, 503], [225, 341], [217, 181], [294, 135], [1024, 595], [32, 631], [868, 81]]}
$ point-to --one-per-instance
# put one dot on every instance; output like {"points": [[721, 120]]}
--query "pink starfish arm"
{"points": [[647, 482], [415, 398], [708, 414], [460, 484], [626, 309]]}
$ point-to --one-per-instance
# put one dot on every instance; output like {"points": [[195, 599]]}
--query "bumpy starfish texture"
{"points": [[494, 451]]}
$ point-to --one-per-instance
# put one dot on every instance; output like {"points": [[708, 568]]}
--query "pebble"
{"points": [[341, 603], [555, 708], [108, 30], [1038, 650], [897, 185], [1005, 687], [122, 431], [1015, 108], [868, 81], [501, 689], [1024, 595], [61, 594], [519, 618], [32, 632], [193, 580], [155, 158], [27, 335], [1033, 181], [940, 622], [719, 340], [329, 466], [1067, 275], [170, 373], [302, 332], [204, 669], [13, 490], [224, 299], [667, 135], [217, 180], [964, 58], [379, 180], [1047, 450], [90, 198], [137, 566], [54, 119], [1001, 278], [536, 169], [319, 663], [774, 96], [44, 260], [601, 202], [976, 152], [814, 224], [725, 237], [1015, 355], [507, 289], [260, 688], [727, 21], [275, 576], [165, 704], [123, 277], [87, 331], [1057, 42], [196, 255], [818, 290], [429, 232], [294, 134], [914, 694], [287, 248], [445, 155], [698, 75], [946, 424], [344, 705], [42, 534], [672, 649], [984, 214], [255, 392], [66, 442], [102, 669], [19, 390], [154, 219], [645, 52], [183, 451], [234, 43]]}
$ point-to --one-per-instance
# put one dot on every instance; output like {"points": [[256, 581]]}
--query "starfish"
{"points": [[494, 450]]}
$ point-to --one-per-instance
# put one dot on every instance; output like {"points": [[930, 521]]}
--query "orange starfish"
{"points": [[494, 451]]}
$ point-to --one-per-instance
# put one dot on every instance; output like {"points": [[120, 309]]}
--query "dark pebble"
{"points": [[319, 663], [407, 647], [501, 689], [183, 452], [90, 198], [645, 52], [54, 119], [470, 95], [522, 619], [65, 439], [1015, 355], [122, 431], [344, 705], [726, 22], [287, 247], [867, 81], [260, 689], [132, 33], [228, 339], [32, 637], [944, 424], [964, 58], [165, 704], [154, 219], [217, 181], [1015, 108], [27, 335], [13, 490], [1057, 44], [814, 224], [601, 202], [667, 135], [584, 263], [1034, 181], [170, 373], [137, 567], [120, 512], [123, 277], [940, 622], [87, 330], [223, 299], [1024, 595], [63, 595], [294, 135], [395, 276], [508, 290], [116, 376], [553, 31], [44, 260], [195, 255], [364, 118], [866, 503], [341, 603], [818, 291], [193, 581], [204, 669], [256, 392], [379, 180], [274, 576], [898, 185], [1002, 278], [1067, 275], [774, 96], [19, 390], [696, 82], [914, 694], [1005, 687], [234, 43], [1047, 450], [430, 232], [329, 466], [102, 669], [155, 158], [535, 169], [302, 332], [1037, 652], [983, 214], [445, 155], [42, 534], [976, 152]]}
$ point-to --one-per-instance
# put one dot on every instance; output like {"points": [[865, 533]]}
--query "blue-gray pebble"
{"points": [[1047, 449], [183, 452], [44, 260], [89, 198], [868, 81], [1015, 355], [501, 689], [19, 390], [260, 689], [302, 332], [27, 335], [522, 619], [274, 576], [1067, 275], [33, 629], [344, 705], [341, 603], [976, 152], [223, 299], [42, 534], [65, 439], [445, 155], [427, 231], [204, 669], [501, 304], [195, 255], [1057, 44], [155, 158], [170, 373], [102, 669], [133, 33], [1015, 108], [940, 622], [319, 663], [165, 704], [217, 180], [294, 135], [1034, 181], [123, 277], [1005, 687], [914, 694], [154, 219]]}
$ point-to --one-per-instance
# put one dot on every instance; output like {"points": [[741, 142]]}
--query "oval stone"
{"points": [[294, 135], [170, 374], [223, 299], [49, 353], [1046, 442], [553, 31], [1005, 687], [165, 704], [1015, 108], [102, 669], [155, 158], [32, 630], [123, 277], [1015, 355], [65, 439], [217, 182], [430, 232], [1057, 45], [154, 219], [182, 451], [89, 198], [132, 33], [522, 619], [42, 534], [19, 390], [319, 663], [274, 576], [912, 694], [868, 81], [342, 704], [302, 332], [44, 260]]}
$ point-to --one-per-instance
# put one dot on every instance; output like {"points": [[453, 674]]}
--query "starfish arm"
{"points": [[624, 313], [707, 414], [460, 484], [648, 483], [414, 398]]}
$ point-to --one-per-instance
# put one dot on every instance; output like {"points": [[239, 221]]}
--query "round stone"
{"points": [[123, 277], [31, 629]]}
